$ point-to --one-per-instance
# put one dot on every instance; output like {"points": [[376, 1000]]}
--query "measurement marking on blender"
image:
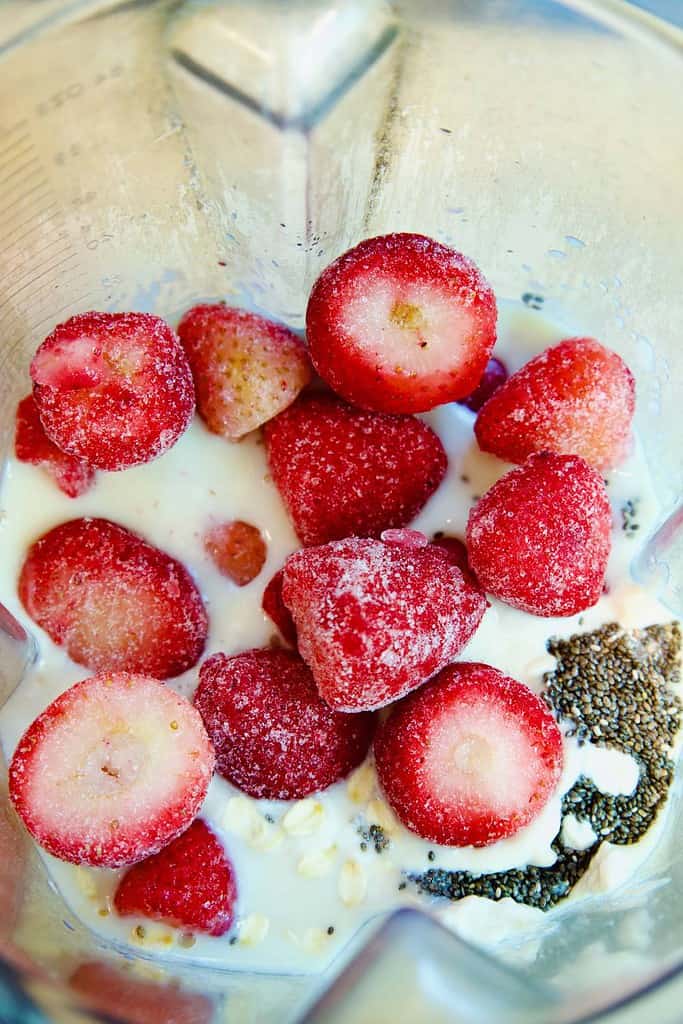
{"points": [[32, 282], [46, 270], [16, 155], [21, 182], [36, 222], [27, 195], [21, 170]]}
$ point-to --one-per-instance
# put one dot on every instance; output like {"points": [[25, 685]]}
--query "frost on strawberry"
{"points": [[31, 444]]}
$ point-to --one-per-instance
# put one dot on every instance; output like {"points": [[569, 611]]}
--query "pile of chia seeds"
{"points": [[613, 687]]}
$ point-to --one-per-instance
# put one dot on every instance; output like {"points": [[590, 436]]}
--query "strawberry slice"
{"points": [[343, 472], [470, 758], [115, 602], [111, 771], [237, 549], [276, 609], [274, 737], [246, 368], [113, 389], [117, 994], [190, 884], [375, 620], [31, 444], [495, 374], [401, 323], [539, 539], [577, 398]]}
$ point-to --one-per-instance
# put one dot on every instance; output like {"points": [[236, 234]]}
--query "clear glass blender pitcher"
{"points": [[157, 153]]}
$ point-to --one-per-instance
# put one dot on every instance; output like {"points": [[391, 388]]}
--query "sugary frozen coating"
{"points": [[113, 389], [237, 549], [119, 994], [111, 771], [375, 620], [576, 398], [246, 368], [401, 323], [344, 472], [115, 602], [539, 539], [494, 375], [276, 609], [189, 884], [470, 758], [31, 444], [274, 736]]}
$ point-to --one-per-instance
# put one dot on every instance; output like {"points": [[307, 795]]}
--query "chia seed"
{"points": [[629, 517], [373, 835], [533, 301]]}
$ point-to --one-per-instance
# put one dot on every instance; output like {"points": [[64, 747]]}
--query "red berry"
{"points": [[190, 884], [120, 995], [113, 389], [275, 738], [375, 620], [401, 323], [237, 549], [457, 553], [576, 398], [111, 771], [495, 374], [115, 602], [31, 444], [276, 609], [343, 472], [469, 759], [246, 368], [539, 539]]}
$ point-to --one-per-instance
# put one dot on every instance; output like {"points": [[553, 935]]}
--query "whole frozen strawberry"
{"points": [[376, 619], [342, 471], [276, 609], [111, 771], [113, 601], [113, 389], [575, 398], [539, 539], [401, 323], [274, 736], [31, 444], [190, 884], [470, 758], [246, 368], [493, 377], [121, 995]]}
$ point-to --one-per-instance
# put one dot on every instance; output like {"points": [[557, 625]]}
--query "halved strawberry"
{"points": [[113, 389], [115, 602], [237, 549], [343, 472], [469, 759], [375, 620], [494, 375], [246, 368], [539, 539], [111, 771], [274, 736], [401, 323], [31, 444], [118, 994], [276, 609], [189, 884], [575, 398]]}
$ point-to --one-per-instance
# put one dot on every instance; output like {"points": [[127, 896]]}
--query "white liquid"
{"points": [[283, 912]]}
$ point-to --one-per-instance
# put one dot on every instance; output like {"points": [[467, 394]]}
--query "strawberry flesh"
{"points": [[31, 444], [495, 374], [237, 549]]}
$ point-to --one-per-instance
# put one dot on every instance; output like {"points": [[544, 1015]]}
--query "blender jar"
{"points": [[153, 154]]}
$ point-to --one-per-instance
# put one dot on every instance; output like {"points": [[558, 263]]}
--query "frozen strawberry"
{"points": [[456, 552], [31, 444], [111, 771], [344, 472], [113, 389], [276, 609], [119, 995], [246, 368], [401, 323], [470, 758], [115, 602], [375, 620], [190, 884], [495, 374], [237, 549], [576, 398], [274, 736], [539, 539]]}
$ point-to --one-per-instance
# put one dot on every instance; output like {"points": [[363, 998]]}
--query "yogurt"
{"points": [[307, 878]]}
